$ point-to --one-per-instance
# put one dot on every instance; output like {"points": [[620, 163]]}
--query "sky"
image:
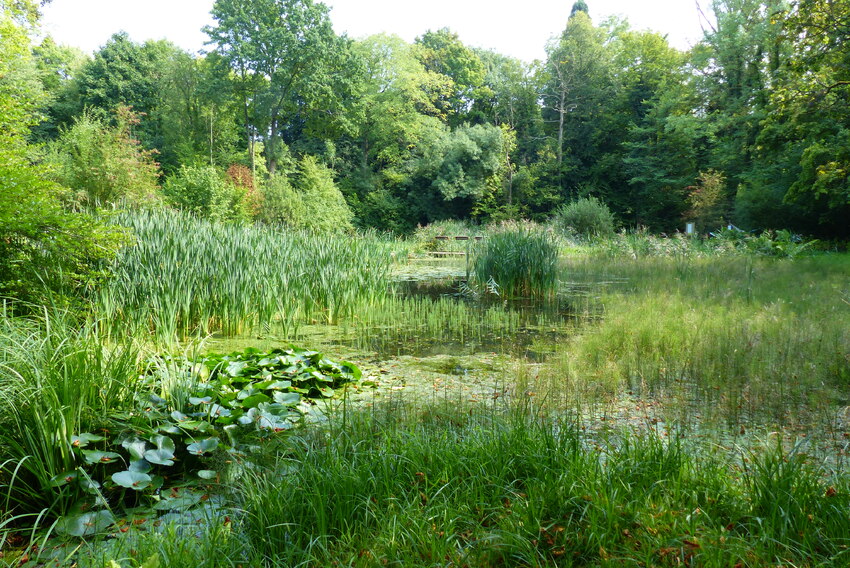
{"points": [[517, 28]]}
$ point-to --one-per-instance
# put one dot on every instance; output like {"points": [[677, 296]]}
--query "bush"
{"points": [[202, 190], [586, 217], [281, 205], [104, 165], [521, 260]]}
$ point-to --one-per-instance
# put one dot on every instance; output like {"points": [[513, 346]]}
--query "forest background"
{"points": [[285, 121]]}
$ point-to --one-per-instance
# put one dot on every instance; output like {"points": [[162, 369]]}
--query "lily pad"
{"points": [[93, 457], [203, 446], [86, 524], [132, 479], [84, 439]]}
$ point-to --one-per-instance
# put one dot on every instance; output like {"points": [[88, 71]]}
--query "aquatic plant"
{"points": [[518, 261]]}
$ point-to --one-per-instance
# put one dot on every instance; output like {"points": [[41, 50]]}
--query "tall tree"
{"points": [[579, 80], [288, 52], [443, 52]]}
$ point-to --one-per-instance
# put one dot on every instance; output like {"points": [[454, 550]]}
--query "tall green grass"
{"points": [[448, 486], [741, 337], [186, 276], [521, 260], [57, 380]]}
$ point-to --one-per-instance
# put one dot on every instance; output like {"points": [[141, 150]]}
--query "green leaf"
{"points": [[132, 479], [86, 524], [163, 443], [235, 368], [136, 448], [202, 447], [160, 457], [85, 439], [207, 474], [180, 502], [287, 398], [93, 457], [255, 400], [63, 478], [140, 466]]}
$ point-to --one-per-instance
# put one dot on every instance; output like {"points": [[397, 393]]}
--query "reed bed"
{"points": [[518, 261], [741, 337], [185, 276]]}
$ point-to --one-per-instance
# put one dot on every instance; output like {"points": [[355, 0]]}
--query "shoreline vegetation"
{"points": [[675, 401], [308, 300]]}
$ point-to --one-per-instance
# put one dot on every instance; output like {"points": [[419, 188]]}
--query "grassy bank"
{"points": [[443, 485]]}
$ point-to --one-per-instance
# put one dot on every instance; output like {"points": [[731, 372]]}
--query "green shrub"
{"points": [[281, 204], [104, 165], [326, 209], [521, 260], [204, 191], [586, 217]]}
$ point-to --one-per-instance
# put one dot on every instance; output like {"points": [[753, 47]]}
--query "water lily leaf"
{"points": [[327, 392], [86, 524], [135, 447], [196, 425], [255, 400], [321, 377], [247, 392], [179, 416], [279, 385], [207, 474], [140, 466], [287, 398], [351, 372], [160, 457], [93, 456], [200, 400], [170, 429], [63, 478], [180, 503], [235, 368], [89, 485], [84, 439], [163, 443], [203, 446], [218, 410], [132, 479]]}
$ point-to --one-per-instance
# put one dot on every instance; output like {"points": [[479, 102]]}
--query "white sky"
{"points": [[516, 28]]}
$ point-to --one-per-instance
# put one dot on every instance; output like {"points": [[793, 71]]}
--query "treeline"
{"points": [[285, 121]]}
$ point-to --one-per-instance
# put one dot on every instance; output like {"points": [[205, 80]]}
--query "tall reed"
{"points": [[186, 276], [57, 380], [521, 260]]}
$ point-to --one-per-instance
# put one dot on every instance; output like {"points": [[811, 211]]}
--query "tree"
{"points": [[286, 50], [43, 248], [579, 79], [324, 205], [455, 169], [442, 52]]}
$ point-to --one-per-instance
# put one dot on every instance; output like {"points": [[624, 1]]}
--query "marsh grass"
{"points": [[520, 260], [450, 485], [57, 380], [748, 338], [187, 277]]}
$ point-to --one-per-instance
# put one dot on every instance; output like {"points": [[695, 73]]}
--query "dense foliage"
{"points": [[747, 127]]}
